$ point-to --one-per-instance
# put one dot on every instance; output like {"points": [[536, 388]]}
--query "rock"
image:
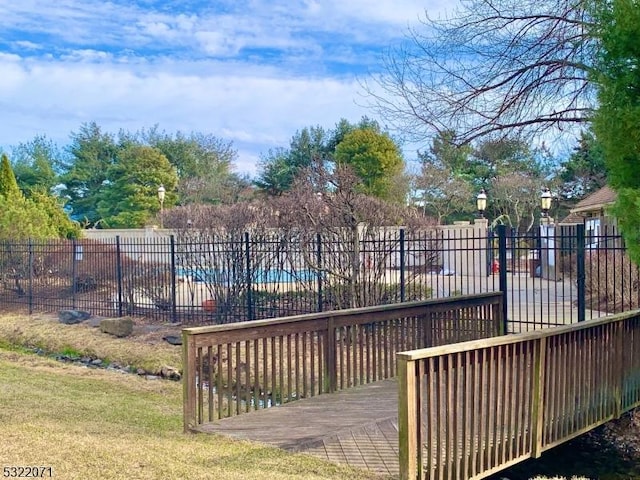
{"points": [[141, 371], [173, 339], [71, 317], [94, 322], [170, 373], [96, 361], [119, 327]]}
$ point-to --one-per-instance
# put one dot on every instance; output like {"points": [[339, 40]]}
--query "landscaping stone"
{"points": [[173, 339], [94, 322], [71, 317], [170, 373], [119, 327]]}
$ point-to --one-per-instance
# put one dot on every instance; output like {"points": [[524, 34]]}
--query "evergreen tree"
{"points": [[35, 163], [54, 209], [280, 167], [376, 160], [584, 172], [93, 152], [38, 217], [129, 198], [616, 121], [8, 184]]}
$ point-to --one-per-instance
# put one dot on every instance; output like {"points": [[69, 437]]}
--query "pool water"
{"points": [[258, 276]]}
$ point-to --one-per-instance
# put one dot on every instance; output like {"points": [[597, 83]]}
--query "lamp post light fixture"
{"points": [[481, 203], [161, 193], [545, 201]]}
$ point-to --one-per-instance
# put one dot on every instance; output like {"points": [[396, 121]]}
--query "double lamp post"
{"points": [[545, 204]]}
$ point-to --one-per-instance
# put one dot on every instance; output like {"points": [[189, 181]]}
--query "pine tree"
{"points": [[618, 116], [8, 184]]}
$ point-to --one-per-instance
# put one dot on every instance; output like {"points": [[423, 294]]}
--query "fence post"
{"points": [[581, 276], [119, 274], [490, 254], [250, 314], [30, 276], [174, 311], [502, 262], [410, 448], [74, 272], [402, 266], [498, 313], [319, 263]]}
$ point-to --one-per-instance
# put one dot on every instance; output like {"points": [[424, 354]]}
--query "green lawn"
{"points": [[96, 424]]}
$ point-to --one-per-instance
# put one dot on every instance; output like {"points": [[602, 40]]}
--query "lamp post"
{"points": [[161, 193], [481, 203], [545, 202]]}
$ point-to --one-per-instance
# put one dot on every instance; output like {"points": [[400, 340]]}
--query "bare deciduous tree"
{"points": [[217, 255], [360, 240], [515, 199], [324, 230], [441, 193], [495, 66]]}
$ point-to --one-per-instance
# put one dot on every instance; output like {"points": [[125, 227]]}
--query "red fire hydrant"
{"points": [[495, 267]]}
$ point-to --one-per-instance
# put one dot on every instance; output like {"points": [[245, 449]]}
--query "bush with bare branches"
{"points": [[324, 230], [612, 281]]}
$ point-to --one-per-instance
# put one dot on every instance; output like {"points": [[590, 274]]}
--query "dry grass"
{"points": [[96, 424], [52, 336]]}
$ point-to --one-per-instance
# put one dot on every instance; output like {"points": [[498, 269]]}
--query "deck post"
{"points": [[188, 382], [537, 408], [331, 363], [620, 357], [409, 449]]}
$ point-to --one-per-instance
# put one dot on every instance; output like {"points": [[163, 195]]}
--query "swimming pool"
{"points": [[200, 275]]}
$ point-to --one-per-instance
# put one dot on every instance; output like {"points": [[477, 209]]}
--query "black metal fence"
{"points": [[556, 275]]}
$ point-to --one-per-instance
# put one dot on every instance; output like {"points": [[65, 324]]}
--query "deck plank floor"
{"points": [[357, 426]]}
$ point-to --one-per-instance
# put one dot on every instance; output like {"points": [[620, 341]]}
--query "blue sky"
{"points": [[251, 72]]}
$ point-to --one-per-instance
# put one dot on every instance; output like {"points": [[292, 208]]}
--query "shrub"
{"points": [[611, 282]]}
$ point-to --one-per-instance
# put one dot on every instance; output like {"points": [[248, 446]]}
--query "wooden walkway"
{"points": [[356, 426]]}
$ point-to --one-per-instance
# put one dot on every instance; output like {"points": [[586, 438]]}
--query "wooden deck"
{"points": [[357, 426]]}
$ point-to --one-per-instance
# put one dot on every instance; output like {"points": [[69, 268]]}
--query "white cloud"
{"points": [[252, 108], [87, 55], [253, 72], [218, 43], [27, 45]]}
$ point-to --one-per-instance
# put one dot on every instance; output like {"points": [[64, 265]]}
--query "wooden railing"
{"points": [[235, 368], [469, 410]]}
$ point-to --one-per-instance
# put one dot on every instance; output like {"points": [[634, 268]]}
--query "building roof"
{"points": [[596, 201], [572, 218], [593, 203]]}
